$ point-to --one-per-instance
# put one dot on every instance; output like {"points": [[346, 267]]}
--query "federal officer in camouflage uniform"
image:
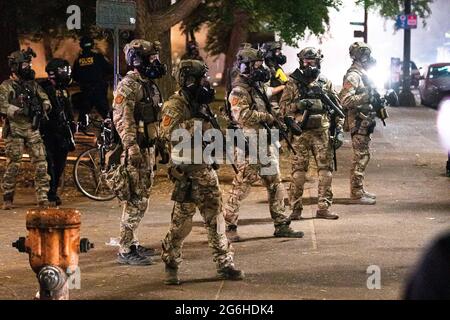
{"points": [[19, 95], [136, 116], [311, 135], [356, 100], [274, 59], [249, 108], [196, 184]]}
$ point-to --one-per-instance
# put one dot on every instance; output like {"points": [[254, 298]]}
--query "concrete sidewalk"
{"points": [[413, 205]]}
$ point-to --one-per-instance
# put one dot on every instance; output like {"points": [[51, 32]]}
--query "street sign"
{"points": [[412, 21], [115, 14], [406, 21], [357, 23]]}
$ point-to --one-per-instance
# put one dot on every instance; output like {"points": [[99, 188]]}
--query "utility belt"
{"points": [[185, 186]]}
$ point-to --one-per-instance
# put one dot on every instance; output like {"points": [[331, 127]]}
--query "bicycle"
{"points": [[90, 166]]}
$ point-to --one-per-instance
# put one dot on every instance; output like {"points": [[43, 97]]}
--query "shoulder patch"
{"points": [[119, 99], [166, 120]]}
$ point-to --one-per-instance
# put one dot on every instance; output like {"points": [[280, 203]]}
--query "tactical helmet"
{"points": [[16, 60], [271, 46], [310, 72], [137, 54], [310, 53], [272, 57], [18, 57], [137, 49], [359, 51], [86, 43], [59, 70], [190, 71], [248, 54]]}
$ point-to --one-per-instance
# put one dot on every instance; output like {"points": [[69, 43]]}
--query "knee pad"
{"points": [[299, 178]]}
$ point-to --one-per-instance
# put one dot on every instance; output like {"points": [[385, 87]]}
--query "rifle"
{"points": [[31, 104], [205, 112], [334, 109], [277, 122], [65, 124], [378, 102]]}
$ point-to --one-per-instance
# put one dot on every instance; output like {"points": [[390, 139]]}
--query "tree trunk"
{"points": [[154, 20], [8, 30], [239, 34]]}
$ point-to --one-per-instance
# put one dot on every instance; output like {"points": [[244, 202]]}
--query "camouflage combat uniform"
{"points": [[136, 115], [361, 122], [249, 110], [203, 192], [17, 133], [315, 140]]}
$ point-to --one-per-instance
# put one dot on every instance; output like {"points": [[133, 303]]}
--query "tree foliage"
{"points": [[290, 19], [391, 8]]}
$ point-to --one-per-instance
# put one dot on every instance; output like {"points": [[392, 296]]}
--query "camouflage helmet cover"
{"points": [[190, 68], [140, 47], [310, 53], [17, 57], [359, 51], [271, 46], [248, 54]]}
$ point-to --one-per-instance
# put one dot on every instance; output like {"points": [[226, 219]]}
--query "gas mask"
{"points": [[254, 72], [62, 76], [280, 59], [199, 89], [260, 74], [153, 70], [25, 72], [368, 62], [311, 72]]}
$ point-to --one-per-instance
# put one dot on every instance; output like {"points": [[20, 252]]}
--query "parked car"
{"points": [[396, 76], [435, 84]]}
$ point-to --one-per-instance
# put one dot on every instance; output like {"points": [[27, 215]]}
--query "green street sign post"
{"points": [[116, 15]]}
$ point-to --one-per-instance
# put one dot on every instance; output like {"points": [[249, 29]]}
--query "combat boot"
{"points": [[230, 273], [146, 252], [7, 205], [7, 201], [172, 275], [284, 231], [369, 195], [231, 233], [133, 258], [326, 214], [43, 204], [364, 200], [296, 214]]}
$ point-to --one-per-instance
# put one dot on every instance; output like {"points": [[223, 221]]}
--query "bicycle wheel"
{"points": [[89, 178]]}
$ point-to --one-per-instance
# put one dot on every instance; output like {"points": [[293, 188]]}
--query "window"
{"points": [[439, 72]]}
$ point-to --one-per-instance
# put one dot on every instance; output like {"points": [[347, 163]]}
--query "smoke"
{"points": [[385, 42]]}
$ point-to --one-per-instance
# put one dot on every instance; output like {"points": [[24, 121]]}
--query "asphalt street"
{"points": [[407, 172]]}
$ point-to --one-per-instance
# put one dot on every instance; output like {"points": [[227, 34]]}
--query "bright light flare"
{"points": [[379, 75], [443, 123]]}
